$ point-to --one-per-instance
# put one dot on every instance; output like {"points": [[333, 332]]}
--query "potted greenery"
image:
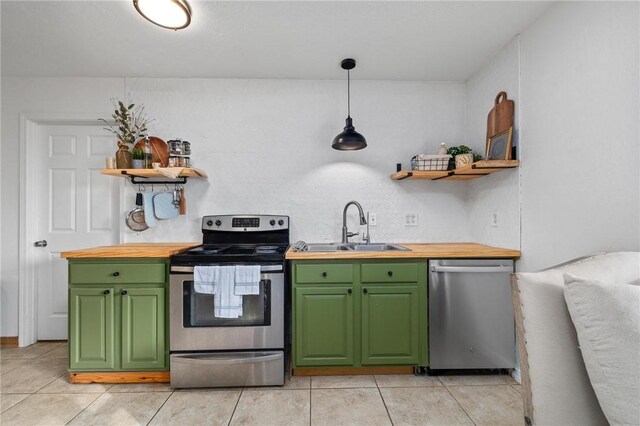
{"points": [[128, 123], [138, 158], [461, 156]]}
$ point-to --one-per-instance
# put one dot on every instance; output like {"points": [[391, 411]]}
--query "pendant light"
{"points": [[349, 139], [171, 14]]}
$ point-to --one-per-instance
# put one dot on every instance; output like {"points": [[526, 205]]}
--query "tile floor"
{"points": [[34, 390]]}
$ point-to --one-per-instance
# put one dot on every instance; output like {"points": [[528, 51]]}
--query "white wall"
{"points": [[266, 145], [499, 192], [580, 138]]}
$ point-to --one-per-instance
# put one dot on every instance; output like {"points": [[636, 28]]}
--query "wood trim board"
{"points": [[121, 377], [9, 342]]}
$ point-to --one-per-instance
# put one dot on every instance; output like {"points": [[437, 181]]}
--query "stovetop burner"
{"points": [[239, 239]]}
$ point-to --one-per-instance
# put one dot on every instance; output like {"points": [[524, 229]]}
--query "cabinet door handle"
{"points": [[365, 291], [123, 292], [116, 274], [324, 274], [390, 273], [349, 291], [106, 292]]}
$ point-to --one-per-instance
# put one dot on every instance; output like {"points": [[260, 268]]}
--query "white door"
{"points": [[77, 207]]}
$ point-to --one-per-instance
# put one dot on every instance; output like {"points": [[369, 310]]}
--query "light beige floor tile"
{"points": [[32, 376], [47, 410], [518, 388], [273, 407], [140, 387], [406, 380], [336, 382], [295, 382], [490, 405], [62, 385], [423, 406], [192, 408], [480, 380], [62, 351], [28, 352], [348, 407], [122, 409], [7, 365], [8, 400]]}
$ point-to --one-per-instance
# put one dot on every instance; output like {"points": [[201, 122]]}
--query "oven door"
{"points": [[194, 327]]}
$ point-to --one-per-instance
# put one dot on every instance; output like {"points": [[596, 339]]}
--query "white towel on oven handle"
{"points": [[247, 279], [205, 279], [226, 303]]}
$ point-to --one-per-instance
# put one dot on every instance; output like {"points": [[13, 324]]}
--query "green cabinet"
{"points": [[390, 321], [324, 326], [359, 313], [91, 328], [121, 326], [143, 333]]}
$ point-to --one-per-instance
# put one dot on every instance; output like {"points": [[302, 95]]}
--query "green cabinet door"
{"points": [[91, 328], [143, 328], [324, 326], [390, 325]]}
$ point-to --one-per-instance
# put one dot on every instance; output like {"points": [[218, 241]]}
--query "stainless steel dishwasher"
{"points": [[471, 323]]}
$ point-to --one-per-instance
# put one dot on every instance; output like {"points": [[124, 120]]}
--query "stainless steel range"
{"points": [[249, 350]]}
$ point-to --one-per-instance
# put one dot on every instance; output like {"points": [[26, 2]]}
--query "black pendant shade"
{"points": [[349, 139]]}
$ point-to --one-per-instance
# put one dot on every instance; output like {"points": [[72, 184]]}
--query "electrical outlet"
{"points": [[373, 220], [411, 219], [494, 219]]}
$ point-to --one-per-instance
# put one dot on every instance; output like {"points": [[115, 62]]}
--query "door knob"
{"points": [[123, 292], [41, 243], [365, 291]]}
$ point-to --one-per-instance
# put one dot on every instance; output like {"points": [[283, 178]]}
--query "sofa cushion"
{"points": [[606, 317], [556, 384]]}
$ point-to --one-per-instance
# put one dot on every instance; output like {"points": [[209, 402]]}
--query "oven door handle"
{"points": [[263, 268], [190, 359]]}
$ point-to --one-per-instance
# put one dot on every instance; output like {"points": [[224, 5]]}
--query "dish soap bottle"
{"points": [[443, 149], [148, 154]]}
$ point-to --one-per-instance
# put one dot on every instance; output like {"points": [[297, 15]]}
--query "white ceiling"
{"points": [[297, 39]]}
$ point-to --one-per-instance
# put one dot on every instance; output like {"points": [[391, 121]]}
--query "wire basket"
{"points": [[430, 162]]}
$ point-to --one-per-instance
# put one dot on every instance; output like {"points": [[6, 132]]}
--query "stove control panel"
{"points": [[245, 223]]}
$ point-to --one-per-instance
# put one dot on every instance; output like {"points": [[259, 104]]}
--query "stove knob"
{"points": [[272, 222], [281, 222], [209, 222], [218, 222]]}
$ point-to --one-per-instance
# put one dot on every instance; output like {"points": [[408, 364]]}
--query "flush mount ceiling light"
{"points": [[349, 139], [171, 14]]}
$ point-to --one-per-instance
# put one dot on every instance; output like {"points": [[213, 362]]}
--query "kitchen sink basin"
{"points": [[327, 247], [355, 247], [376, 247]]}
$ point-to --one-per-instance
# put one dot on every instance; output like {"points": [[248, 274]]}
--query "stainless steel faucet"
{"points": [[363, 221]]}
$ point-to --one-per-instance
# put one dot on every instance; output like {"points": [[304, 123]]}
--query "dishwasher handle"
{"points": [[473, 269]]}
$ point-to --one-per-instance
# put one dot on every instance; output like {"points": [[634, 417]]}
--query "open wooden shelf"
{"points": [[150, 173], [472, 171]]}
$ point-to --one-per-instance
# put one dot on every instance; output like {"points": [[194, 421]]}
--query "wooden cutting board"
{"points": [[500, 118], [159, 149]]}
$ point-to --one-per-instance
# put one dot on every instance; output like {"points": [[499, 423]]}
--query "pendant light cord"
{"points": [[348, 93]]}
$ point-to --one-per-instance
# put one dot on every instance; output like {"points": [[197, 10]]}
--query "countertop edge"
{"points": [[418, 251], [128, 250]]}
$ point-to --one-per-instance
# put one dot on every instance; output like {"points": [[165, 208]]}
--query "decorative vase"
{"points": [[463, 160], [123, 157], [138, 164]]}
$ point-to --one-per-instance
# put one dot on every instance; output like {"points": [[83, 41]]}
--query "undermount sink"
{"points": [[376, 247], [356, 247], [326, 247]]}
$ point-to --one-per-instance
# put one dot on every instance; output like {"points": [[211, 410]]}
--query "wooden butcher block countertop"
{"points": [[129, 250], [416, 250]]}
